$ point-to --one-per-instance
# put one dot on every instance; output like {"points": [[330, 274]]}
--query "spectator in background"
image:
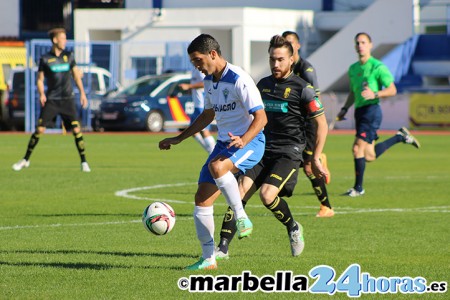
{"points": [[367, 77], [204, 137]]}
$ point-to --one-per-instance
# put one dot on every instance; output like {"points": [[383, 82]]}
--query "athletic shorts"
{"points": [[368, 119], [243, 159], [310, 135], [197, 112], [65, 108], [280, 171]]}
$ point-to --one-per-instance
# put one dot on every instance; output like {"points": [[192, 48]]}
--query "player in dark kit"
{"points": [[57, 67], [307, 72], [289, 101]]}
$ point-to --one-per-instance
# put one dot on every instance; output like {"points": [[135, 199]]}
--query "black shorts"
{"points": [[310, 135], [65, 108], [280, 171]]}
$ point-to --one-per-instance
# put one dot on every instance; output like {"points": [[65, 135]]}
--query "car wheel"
{"points": [[154, 122]]}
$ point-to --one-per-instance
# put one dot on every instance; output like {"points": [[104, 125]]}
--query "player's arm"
{"points": [[76, 73], [347, 105], [321, 136], [40, 87], [203, 120], [258, 123]]}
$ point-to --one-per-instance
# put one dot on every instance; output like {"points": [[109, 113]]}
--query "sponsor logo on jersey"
{"points": [[310, 70], [224, 107], [51, 60], [287, 91], [266, 91], [276, 106], [60, 68]]}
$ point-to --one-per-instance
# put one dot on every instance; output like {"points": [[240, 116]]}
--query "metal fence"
{"points": [[126, 61]]}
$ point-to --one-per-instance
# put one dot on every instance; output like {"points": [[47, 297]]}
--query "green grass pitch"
{"points": [[65, 234]]}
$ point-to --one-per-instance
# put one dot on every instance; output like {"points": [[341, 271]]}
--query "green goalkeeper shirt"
{"points": [[373, 74]]}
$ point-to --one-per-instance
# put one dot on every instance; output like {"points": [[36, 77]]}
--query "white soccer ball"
{"points": [[159, 218]]}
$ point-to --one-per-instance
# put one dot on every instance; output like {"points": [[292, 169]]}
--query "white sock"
{"points": [[204, 224], [210, 142], [228, 185], [198, 137]]}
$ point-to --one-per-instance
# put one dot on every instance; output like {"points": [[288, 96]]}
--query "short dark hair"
{"points": [[204, 44], [54, 32], [363, 33], [287, 33], [277, 41]]}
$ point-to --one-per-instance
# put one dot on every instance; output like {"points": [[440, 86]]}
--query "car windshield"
{"points": [[143, 87]]}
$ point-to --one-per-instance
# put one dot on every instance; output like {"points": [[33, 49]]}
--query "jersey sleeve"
{"points": [[385, 76], [207, 95], [310, 76], [313, 105], [249, 94], [41, 64]]}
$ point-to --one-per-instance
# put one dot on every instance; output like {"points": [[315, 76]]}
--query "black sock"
{"points": [[380, 148], [281, 211], [228, 229], [34, 139], [79, 142], [319, 187], [360, 166]]}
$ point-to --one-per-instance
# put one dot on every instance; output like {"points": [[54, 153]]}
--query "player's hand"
{"points": [[236, 141], [184, 86], [166, 143], [368, 94], [340, 116], [42, 99], [83, 101], [318, 169]]}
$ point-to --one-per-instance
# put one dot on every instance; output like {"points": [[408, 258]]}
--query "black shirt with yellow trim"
{"points": [[57, 72], [288, 103]]}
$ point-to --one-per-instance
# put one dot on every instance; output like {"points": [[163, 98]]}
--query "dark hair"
{"points": [[287, 33], [204, 44], [363, 33], [54, 32], [277, 41]]}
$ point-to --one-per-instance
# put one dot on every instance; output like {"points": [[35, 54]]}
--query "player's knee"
{"points": [[75, 127], [217, 168], [40, 130]]}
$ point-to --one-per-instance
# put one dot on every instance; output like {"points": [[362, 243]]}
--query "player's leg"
{"points": [[208, 139], [281, 182], [247, 188], [207, 193], [69, 116], [319, 188], [228, 162], [48, 112]]}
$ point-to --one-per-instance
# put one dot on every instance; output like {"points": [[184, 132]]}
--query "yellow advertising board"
{"points": [[429, 110]]}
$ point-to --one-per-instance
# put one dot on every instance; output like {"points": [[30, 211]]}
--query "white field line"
{"points": [[126, 194]]}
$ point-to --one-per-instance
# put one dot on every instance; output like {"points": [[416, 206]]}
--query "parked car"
{"points": [[96, 82], [153, 103]]}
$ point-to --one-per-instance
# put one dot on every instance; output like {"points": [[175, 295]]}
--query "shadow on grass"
{"points": [[85, 215], [80, 266], [114, 253]]}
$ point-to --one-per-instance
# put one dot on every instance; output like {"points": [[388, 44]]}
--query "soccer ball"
{"points": [[159, 218]]}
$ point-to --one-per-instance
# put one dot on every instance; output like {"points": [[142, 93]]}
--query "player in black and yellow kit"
{"points": [[289, 101], [56, 67], [306, 71]]}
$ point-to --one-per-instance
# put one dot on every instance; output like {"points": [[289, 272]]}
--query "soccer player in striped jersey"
{"points": [[232, 98]]}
